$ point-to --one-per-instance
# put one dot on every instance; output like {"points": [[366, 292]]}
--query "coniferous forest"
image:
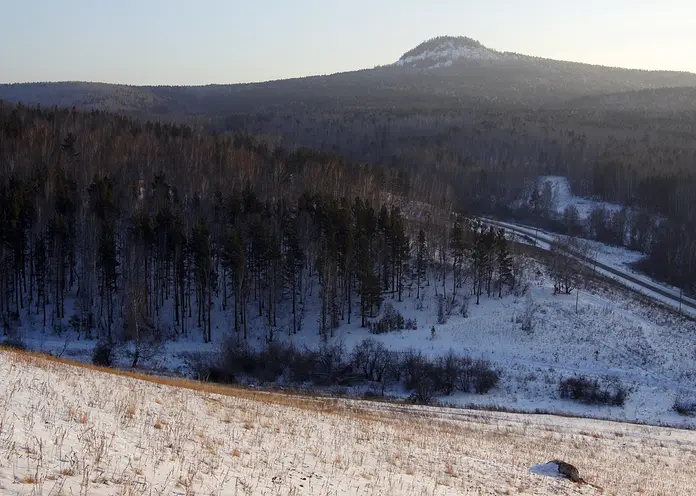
{"points": [[122, 230]]}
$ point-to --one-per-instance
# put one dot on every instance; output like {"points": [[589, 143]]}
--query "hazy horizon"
{"points": [[218, 42]]}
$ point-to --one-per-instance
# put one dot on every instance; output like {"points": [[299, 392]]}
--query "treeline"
{"points": [[127, 273], [645, 161], [225, 229]]}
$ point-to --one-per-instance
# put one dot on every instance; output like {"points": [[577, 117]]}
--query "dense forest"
{"points": [[127, 230], [472, 136], [645, 162]]}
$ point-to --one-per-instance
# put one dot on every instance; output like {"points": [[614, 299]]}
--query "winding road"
{"points": [[633, 282]]}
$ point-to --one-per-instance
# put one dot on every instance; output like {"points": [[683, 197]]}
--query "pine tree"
{"points": [[69, 147], [482, 259], [103, 205], [385, 243], [205, 276], [368, 282], [420, 265], [400, 247], [41, 274], [503, 261], [234, 259], [457, 251], [293, 262], [345, 238]]}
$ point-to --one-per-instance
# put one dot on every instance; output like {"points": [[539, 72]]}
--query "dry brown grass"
{"points": [[293, 399], [449, 470]]}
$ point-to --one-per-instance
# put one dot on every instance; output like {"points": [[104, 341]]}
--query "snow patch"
{"points": [[549, 469], [564, 197], [450, 51]]}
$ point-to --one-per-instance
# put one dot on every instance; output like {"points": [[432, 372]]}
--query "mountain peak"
{"points": [[442, 51]]}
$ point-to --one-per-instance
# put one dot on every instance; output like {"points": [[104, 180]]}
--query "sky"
{"points": [[179, 42]]}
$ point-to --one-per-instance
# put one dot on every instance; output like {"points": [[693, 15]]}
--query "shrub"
{"points": [[370, 358], [477, 376], [237, 358], [422, 395], [391, 320], [199, 366], [331, 366], [102, 355], [591, 392], [415, 368], [447, 374], [328, 365], [272, 362], [484, 378], [417, 373], [266, 365], [14, 343], [684, 406], [301, 366]]}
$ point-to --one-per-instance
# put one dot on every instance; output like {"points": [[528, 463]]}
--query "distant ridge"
{"points": [[446, 72]]}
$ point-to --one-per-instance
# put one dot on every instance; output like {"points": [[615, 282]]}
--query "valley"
{"points": [[433, 276]]}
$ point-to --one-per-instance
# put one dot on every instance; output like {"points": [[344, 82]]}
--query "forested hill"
{"points": [[444, 73], [104, 219], [665, 101], [43, 144]]}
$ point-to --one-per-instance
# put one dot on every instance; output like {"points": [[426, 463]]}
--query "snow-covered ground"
{"points": [[563, 197], [621, 260], [72, 430], [613, 336], [448, 52]]}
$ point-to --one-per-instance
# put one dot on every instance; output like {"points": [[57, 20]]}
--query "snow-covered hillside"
{"points": [[606, 334], [446, 50], [618, 265], [60, 434]]}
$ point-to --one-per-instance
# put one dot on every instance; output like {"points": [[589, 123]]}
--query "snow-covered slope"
{"points": [[610, 261], [60, 434], [610, 335], [446, 50]]}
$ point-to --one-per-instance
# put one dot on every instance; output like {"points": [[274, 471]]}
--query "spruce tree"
{"points": [[503, 261], [368, 282], [420, 263], [457, 252]]}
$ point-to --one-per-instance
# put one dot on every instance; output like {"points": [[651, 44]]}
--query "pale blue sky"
{"points": [[217, 41]]}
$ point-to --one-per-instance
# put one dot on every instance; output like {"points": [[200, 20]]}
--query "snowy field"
{"points": [[74, 430]]}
